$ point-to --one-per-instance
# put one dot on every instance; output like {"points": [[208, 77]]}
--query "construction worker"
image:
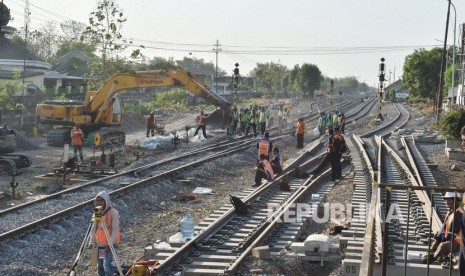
{"points": [[254, 122], [109, 217], [76, 140], [201, 124], [265, 146], [277, 161], [335, 120], [235, 119], [442, 240], [462, 134], [329, 121], [300, 130], [150, 122], [343, 123], [262, 120], [245, 120], [322, 123], [263, 171], [336, 147]]}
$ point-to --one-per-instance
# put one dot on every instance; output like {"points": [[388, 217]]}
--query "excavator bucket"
{"points": [[218, 118]]}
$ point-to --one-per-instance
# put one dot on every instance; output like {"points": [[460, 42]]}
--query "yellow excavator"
{"points": [[103, 108]]}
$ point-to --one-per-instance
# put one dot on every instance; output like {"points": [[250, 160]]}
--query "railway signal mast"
{"points": [[235, 81], [382, 79]]}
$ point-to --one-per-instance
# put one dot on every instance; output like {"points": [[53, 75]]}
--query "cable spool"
{"points": [[94, 138]]}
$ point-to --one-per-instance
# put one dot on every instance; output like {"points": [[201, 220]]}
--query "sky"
{"points": [[342, 37]]}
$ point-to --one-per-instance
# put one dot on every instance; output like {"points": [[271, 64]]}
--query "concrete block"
{"points": [[262, 252]]}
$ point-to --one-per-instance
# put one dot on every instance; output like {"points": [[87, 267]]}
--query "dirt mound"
{"points": [[24, 143]]}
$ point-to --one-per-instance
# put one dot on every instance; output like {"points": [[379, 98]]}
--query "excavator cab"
{"points": [[117, 107]]}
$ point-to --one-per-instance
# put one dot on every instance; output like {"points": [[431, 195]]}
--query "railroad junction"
{"points": [[272, 237]]}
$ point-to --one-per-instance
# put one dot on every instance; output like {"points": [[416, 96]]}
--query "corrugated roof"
{"points": [[62, 65], [9, 74]]}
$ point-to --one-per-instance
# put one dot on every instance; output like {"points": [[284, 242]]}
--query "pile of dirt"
{"points": [[24, 143]]}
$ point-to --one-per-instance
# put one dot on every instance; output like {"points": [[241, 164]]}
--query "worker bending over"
{"points": [[263, 171]]}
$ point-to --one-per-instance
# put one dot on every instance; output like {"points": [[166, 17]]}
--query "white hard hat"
{"points": [[450, 195]]}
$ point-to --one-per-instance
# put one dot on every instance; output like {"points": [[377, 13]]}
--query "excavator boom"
{"points": [[103, 107]]}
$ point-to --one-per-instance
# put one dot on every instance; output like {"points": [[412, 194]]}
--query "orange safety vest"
{"points": [[76, 137], [99, 236], [263, 146], [300, 128], [330, 145], [200, 117], [448, 226], [268, 170]]}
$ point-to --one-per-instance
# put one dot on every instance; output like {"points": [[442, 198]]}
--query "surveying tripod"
{"points": [[97, 218]]}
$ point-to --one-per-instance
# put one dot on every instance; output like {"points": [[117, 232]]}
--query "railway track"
{"points": [[77, 214], [400, 214]]}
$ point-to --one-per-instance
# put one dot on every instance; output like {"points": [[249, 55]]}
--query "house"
{"points": [[401, 93], [36, 73]]}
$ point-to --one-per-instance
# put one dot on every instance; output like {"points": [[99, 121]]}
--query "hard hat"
{"points": [[450, 195]]}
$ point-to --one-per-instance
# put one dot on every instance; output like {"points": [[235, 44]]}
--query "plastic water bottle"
{"points": [[187, 227]]}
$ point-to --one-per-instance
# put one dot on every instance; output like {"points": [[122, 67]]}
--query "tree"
{"points": [[309, 79], [421, 72], [269, 78], [161, 63], [103, 32], [8, 89]]}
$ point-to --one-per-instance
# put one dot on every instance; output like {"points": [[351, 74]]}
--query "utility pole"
{"points": [[441, 76], [462, 64], [26, 24], [217, 49]]}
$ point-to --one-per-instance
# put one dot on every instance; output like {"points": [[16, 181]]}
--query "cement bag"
{"points": [[316, 131]]}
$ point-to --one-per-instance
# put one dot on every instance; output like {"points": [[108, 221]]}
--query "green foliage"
{"points": [[391, 95], [416, 99], [421, 72], [269, 78], [141, 107], [198, 66], [40, 188], [451, 123], [8, 89], [174, 98], [103, 33], [161, 63], [309, 79]]}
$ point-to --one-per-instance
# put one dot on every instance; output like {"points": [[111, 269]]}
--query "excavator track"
{"points": [[12, 162], [105, 138]]}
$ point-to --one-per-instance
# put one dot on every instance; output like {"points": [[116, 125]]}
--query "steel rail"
{"points": [[267, 227], [47, 219], [210, 230]]}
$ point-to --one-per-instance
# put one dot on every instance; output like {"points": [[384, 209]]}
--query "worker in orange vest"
{"points": [[264, 146], [300, 130], [110, 217], [201, 124], [263, 171], [76, 140]]}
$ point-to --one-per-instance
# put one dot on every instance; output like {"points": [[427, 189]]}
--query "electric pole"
{"points": [[26, 24], [441, 76], [217, 49]]}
